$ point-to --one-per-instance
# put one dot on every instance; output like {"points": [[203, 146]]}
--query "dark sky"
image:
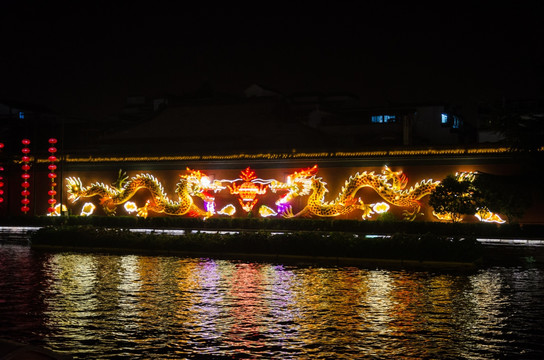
{"points": [[86, 60]]}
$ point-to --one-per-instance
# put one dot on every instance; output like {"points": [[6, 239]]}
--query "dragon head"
{"points": [[298, 183], [199, 183], [397, 179], [75, 188]]}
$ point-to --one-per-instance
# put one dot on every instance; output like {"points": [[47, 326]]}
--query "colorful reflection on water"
{"points": [[112, 306]]}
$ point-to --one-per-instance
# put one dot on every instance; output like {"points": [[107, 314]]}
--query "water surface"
{"points": [[128, 306]]}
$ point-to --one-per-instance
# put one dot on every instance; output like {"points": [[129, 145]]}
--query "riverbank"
{"points": [[338, 248]]}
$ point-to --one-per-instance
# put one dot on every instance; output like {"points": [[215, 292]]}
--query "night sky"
{"points": [[85, 61]]}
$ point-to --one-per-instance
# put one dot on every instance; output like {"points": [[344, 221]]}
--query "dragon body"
{"points": [[389, 185], [110, 197]]}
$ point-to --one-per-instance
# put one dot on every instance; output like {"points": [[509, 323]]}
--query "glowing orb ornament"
{"points": [[88, 209], [381, 208], [131, 207]]}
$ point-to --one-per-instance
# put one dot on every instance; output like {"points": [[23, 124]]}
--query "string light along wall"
{"points": [[52, 176], [25, 176]]}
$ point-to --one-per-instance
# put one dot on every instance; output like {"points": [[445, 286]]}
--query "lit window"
{"points": [[451, 120], [379, 119], [456, 122], [21, 115]]}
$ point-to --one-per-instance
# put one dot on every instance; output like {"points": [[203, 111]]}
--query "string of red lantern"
{"points": [[1, 178], [52, 175], [25, 184]]}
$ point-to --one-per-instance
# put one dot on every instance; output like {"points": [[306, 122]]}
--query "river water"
{"points": [[104, 306]]}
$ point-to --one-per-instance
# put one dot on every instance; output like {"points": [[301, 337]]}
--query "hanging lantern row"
{"points": [[1, 178], [52, 175], [26, 176]]}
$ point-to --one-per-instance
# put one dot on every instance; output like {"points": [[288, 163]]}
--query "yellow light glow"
{"points": [[130, 207], [228, 210], [88, 209], [265, 211], [292, 155], [57, 210], [381, 208], [488, 216], [443, 217], [194, 194]]}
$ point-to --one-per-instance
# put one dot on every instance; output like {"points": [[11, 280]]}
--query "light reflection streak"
{"points": [[180, 307], [73, 278], [246, 308]]}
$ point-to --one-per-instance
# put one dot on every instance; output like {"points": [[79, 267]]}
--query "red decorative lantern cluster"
{"points": [[25, 184], [52, 175], [1, 178]]}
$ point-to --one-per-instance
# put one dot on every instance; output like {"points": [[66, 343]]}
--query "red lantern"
{"points": [[52, 167], [25, 176]]}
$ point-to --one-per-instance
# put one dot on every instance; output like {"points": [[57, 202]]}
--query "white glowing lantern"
{"points": [[88, 209], [57, 211], [130, 207], [381, 208]]}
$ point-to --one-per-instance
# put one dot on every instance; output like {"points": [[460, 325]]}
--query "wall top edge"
{"points": [[291, 156]]}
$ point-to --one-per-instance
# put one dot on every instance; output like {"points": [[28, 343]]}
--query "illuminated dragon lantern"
{"points": [[389, 185], [193, 184]]}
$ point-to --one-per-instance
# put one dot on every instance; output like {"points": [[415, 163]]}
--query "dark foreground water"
{"points": [[97, 306]]}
